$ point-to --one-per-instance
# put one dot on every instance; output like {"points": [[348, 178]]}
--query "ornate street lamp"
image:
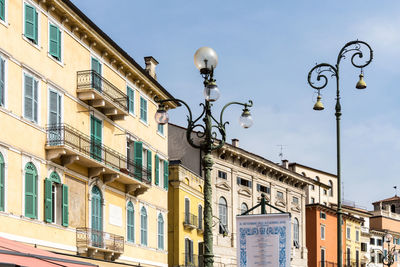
{"points": [[206, 61], [321, 70], [391, 254]]}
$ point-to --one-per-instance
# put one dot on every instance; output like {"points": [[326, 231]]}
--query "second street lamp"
{"points": [[320, 81], [206, 61]]}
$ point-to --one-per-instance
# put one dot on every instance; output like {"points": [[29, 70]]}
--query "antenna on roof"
{"points": [[395, 190], [281, 152]]}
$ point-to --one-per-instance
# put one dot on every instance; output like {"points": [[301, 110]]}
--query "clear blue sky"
{"points": [[266, 49]]}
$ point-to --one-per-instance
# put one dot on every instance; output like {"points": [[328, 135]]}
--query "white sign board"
{"points": [[264, 240], [115, 217]]}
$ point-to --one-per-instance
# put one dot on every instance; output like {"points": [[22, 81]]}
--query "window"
{"points": [[295, 200], [223, 207], [143, 226], [143, 109], [379, 242], [312, 187], [322, 257], [264, 189], [296, 239], [159, 179], [357, 235], [160, 128], [322, 232], [31, 178], [380, 258], [2, 183], [243, 208], [325, 192], [373, 257], [279, 195], [200, 216], [31, 98], [160, 232], [312, 200], [322, 215], [130, 222], [348, 236], [55, 42], [222, 175], [96, 143], [2, 79], [348, 256], [3, 10], [189, 259], [131, 99], [187, 211], [364, 247], [56, 200], [97, 217], [147, 163], [31, 24], [331, 189], [97, 83], [243, 182]]}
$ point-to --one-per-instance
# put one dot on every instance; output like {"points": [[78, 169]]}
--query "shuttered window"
{"points": [[160, 231], [160, 128], [157, 170], [149, 166], [143, 226], [2, 80], [2, 183], [3, 10], [31, 178], [131, 99], [130, 222], [138, 160], [55, 42], [165, 174], [143, 109], [31, 23], [96, 126], [31, 97]]}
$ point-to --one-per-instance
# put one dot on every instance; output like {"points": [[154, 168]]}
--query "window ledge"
{"points": [[143, 122], [5, 23], [31, 43], [61, 63], [160, 134]]}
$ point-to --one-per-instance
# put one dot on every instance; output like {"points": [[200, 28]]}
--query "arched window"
{"points": [[2, 183], [143, 226], [97, 217], [31, 178], [130, 222], [223, 207], [331, 189], [160, 231], [243, 208], [200, 213], [296, 242], [53, 205]]}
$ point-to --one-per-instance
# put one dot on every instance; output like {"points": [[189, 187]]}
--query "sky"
{"points": [[265, 51]]}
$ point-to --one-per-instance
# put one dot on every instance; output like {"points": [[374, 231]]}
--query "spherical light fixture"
{"points": [[161, 116], [205, 59], [211, 92], [388, 238], [245, 120]]}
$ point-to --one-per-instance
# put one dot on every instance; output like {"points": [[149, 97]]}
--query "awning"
{"points": [[19, 254]]}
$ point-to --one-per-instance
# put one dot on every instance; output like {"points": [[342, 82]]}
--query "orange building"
{"points": [[321, 229]]}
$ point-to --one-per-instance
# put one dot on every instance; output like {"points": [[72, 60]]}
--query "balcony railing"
{"points": [[89, 80], [352, 263], [190, 220], [192, 260], [87, 238], [60, 135]]}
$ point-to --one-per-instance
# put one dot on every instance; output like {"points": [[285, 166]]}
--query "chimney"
{"points": [[285, 163], [151, 64], [235, 142]]}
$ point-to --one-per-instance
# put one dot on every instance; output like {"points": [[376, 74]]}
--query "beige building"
{"points": [[239, 177], [81, 157]]}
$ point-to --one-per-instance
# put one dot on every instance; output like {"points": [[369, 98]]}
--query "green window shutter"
{"points": [[2, 185], [149, 166], [131, 222], [2, 10], [138, 159], [2, 80], [54, 41], [48, 205], [35, 100], [64, 205], [96, 75], [28, 97], [131, 100], [96, 138], [165, 174], [31, 23], [143, 109], [157, 164], [30, 191]]}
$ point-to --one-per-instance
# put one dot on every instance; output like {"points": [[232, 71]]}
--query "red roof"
{"points": [[388, 199], [13, 252]]}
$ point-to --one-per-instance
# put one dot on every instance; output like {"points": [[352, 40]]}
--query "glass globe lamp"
{"points": [[388, 238], [161, 116], [205, 59], [211, 92], [245, 120]]}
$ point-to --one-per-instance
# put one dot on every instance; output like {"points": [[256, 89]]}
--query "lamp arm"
{"points": [[246, 105], [355, 46], [320, 70], [162, 101]]}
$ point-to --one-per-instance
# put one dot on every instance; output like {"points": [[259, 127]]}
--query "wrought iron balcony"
{"points": [[190, 220], [101, 94], [66, 145], [90, 242], [191, 260]]}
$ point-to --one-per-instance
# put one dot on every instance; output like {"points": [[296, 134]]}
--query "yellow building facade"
{"points": [[185, 216], [352, 248], [83, 164]]}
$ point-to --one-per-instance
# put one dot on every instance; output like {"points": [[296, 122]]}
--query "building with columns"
{"points": [[239, 178]]}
